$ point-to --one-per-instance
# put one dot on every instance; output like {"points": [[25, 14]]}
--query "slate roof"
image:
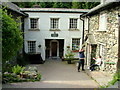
{"points": [[102, 7], [12, 7], [63, 10]]}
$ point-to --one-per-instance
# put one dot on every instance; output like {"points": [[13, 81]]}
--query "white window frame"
{"points": [[29, 47], [37, 23], [56, 24], [101, 50], [75, 25], [102, 22], [76, 45]]}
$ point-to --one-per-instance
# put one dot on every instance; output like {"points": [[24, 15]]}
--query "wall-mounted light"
{"points": [[39, 46]]}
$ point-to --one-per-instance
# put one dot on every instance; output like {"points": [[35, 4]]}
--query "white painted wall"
{"points": [[44, 33]]}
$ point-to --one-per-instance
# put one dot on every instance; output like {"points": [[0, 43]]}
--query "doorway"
{"points": [[54, 49]]}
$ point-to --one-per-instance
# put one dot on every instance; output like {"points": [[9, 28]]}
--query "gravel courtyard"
{"points": [[57, 74]]}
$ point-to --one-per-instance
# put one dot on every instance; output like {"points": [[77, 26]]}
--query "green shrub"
{"points": [[69, 54], [17, 76], [116, 78], [18, 69], [12, 39]]}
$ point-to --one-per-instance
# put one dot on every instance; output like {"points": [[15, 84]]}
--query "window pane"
{"points": [[75, 43], [54, 23], [73, 23], [31, 46], [34, 23]]}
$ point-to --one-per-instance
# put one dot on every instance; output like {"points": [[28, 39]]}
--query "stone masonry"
{"points": [[108, 38]]}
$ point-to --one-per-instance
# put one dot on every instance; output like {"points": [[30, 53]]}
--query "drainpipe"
{"points": [[83, 29], [88, 23], [118, 63]]}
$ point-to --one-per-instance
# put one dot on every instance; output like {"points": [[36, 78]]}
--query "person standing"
{"points": [[81, 60]]}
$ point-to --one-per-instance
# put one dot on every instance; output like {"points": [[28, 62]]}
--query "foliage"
{"points": [[116, 78], [25, 76], [22, 59], [18, 69], [11, 37], [69, 54], [73, 4]]}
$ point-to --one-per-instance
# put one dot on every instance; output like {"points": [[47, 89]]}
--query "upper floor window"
{"points": [[75, 43], [34, 23], [31, 46], [73, 23], [102, 22], [54, 23]]}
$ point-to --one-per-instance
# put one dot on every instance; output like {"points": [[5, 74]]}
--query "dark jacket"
{"points": [[81, 55]]}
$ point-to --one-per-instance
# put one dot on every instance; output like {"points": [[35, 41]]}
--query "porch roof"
{"points": [[63, 10], [90, 39]]}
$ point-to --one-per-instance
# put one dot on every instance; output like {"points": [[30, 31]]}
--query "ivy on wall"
{"points": [[11, 37]]}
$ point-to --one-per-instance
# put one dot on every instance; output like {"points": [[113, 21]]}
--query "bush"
{"points": [[11, 38], [20, 75], [18, 69], [69, 54]]}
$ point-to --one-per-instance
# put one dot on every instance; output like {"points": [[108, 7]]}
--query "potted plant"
{"points": [[69, 56]]}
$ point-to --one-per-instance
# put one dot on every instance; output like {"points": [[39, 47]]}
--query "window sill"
{"points": [[33, 29], [54, 29], [73, 29]]}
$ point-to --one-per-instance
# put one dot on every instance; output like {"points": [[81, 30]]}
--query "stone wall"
{"points": [[109, 38]]}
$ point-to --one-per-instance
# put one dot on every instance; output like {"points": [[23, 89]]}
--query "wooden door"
{"points": [[54, 48]]}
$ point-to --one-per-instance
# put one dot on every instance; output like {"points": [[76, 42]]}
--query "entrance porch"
{"points": [[54, 48]]}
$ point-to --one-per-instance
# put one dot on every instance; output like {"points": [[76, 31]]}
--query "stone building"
{"points": [[101, 34]]}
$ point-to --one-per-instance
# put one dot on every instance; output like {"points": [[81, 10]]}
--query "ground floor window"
{"points": [[31, 46], [75, 43]]}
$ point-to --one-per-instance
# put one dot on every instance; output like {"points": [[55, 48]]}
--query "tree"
{"points": [[75, 5], [11, 37]]}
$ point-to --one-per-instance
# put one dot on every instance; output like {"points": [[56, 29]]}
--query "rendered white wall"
{"points": [[44, 33]]}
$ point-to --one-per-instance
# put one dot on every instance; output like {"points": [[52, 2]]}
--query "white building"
{"points": [[50, 30]]}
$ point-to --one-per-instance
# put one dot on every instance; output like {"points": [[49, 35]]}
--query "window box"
{"points": [[75, 50], [68, 46]]}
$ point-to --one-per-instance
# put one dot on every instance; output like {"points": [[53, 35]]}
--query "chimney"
{"points": [[36, 6]]}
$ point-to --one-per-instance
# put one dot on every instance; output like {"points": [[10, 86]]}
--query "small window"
{"points": [[31, 46], [75, 43], [54, 23], [102, 22], [34, 23], [73, 23]]}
